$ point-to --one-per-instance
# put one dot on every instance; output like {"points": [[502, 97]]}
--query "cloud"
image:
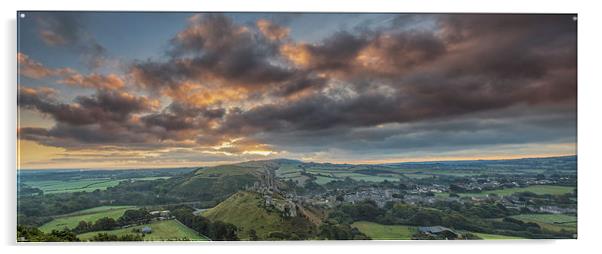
{"points": [[33, 69], [64, 29], [437, 84], [272, 31], [104, 107], [94, 80], [214, 50]]}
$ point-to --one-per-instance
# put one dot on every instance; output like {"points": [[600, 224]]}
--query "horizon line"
{"points": [[304, 161]]}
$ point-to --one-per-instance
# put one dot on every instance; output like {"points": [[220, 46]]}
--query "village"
{"points": [[467, 190]]}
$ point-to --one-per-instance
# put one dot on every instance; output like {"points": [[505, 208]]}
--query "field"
{"points": [[161, 231], [400, 232], [88, 185], [56, 186], [552, 222], [91, 215], [496, 237], [537, 189], [385, 232]]}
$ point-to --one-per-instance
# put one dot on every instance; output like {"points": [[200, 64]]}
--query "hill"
{"points": [[214, 183], [168, 230], [247, 210], [71, 220]]}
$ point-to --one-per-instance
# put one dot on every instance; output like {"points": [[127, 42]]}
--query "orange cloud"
{"points": [[272, 31], [94, 80], [52, 38], [39, 91], [215, 32], [296, 53], [36, 70], [196, 94]]}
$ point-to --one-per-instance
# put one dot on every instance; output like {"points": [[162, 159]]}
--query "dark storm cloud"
{"points": [[103, 107], [369, 53], [516, 125], [64, 29], [214, 49], [449, 81], [179, 116], [90, 136], [509, 46], [499, 68]]}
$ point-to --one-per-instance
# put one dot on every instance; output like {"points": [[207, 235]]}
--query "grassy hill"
{"points": [[246, 211], [90, 215], [385, 232], [496, 237], [168, 230], [552, 222], [215, 183]]}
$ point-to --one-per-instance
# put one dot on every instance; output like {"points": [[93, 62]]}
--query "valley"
{"points": [[292, 200]]}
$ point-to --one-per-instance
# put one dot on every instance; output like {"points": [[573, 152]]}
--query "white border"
{"points": [[588, 126]]}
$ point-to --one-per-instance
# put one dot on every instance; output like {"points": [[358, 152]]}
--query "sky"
{"points": [[137, 90]]}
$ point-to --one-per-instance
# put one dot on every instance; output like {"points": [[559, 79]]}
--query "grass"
{"points": [[151, 178], [246, 211], [90, 215], [385, 232], [495, 237], [552, 222], [287, 169], [537, 189], [87, 185], [418, 176], [56, 186], [324, 180], [98, 209], [242, 209], [167, 230]]}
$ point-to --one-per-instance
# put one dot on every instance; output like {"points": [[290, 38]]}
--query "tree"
{"points": [[32, 234], [104, 223], [83, 226], [134, 216], [253, 235]]}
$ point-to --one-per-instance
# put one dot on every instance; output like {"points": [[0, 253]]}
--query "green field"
{"points": [[324, 180], [537, 189], [385, 232], [418, 176], [88, 185], [552, 222], [496, 237], [400, 232], [287, 169], [167, 230], [56, 186], [90, 215], [150, 178]]}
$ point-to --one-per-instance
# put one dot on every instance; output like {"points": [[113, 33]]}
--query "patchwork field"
{"points": [[169, 230], [537, 189], [496, 237], [88, 185], [385, 232], [56, 186], [553, 222], [90, 215]]}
